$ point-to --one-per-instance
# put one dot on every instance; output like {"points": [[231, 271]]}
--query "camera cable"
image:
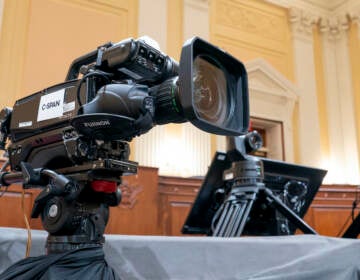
{"points": [[100, 74], [2, 169], [27, 224], [28, 243]]}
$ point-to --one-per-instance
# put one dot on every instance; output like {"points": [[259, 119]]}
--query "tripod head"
{"points": [[244, 168], [239, 148], [74, 213]]}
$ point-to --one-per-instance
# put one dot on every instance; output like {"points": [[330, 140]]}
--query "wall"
{"points": [[1, 11], [40, 39], [253, 29], [313, 46], [325, 35]]}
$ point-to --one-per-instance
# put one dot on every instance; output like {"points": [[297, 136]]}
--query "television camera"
{"points": [[71, 139]]}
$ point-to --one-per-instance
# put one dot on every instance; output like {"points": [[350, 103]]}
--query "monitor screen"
{"points": [[295, 185]]}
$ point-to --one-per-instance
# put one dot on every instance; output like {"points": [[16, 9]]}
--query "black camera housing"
{"points": [[125, 89], [236, 121], [71, 139]]}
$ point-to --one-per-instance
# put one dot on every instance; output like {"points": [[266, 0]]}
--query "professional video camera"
{"points": [[71, 139]]}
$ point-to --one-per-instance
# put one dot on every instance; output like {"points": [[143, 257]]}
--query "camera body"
{"points": [[125, 89], [71, 139]]}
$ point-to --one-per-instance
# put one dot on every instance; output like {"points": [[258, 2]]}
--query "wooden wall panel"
{"points": [[137, 213], [330, 212], [176, 199], [154, 205], [331, 221], [11, 207], [138, 210], [12, 213]]}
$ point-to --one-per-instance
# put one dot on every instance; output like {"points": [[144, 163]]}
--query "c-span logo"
{"points": [[51, 105]]}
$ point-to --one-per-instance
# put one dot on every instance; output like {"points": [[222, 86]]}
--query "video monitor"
{"points": [[295, 185]]}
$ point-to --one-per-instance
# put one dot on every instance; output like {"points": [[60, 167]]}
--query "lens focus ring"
{"points": [[167, 108]]}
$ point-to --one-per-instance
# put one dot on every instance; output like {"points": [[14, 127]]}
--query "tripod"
{"points": [[74, 210], [243, 185], [354, 229]]}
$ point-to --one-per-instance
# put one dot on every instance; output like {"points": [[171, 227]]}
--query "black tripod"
{"points": [[354, 229], [74, 209], [243, 185]]}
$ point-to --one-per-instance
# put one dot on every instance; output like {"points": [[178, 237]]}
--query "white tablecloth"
{"points": [[160, 257]]}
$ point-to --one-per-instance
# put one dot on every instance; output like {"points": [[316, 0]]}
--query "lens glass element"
{"points": [[210, 98]]}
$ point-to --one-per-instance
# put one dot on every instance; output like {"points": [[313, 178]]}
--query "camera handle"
{"points": [[245, 183], [86, 59]]}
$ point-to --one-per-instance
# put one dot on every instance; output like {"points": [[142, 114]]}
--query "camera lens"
{"points": [[210, 98]]}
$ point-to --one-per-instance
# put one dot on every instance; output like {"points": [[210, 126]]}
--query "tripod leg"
{"points": [[223, 220], [354, 229], [234, 215], [288, 213], [232, 230], [243, 217]]}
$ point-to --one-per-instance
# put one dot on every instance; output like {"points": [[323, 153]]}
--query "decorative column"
{"points": [[343, 164], [354, 52], [1, 11], [148, 147], [196, 19], [180, 150], [198, 143], [153, 21], [145, 149], [302, 24]]}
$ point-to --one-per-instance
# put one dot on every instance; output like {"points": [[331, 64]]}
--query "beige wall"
{"points": [[40, 38], [252, 29], [314, 48], [317, 49], [1, 11]]}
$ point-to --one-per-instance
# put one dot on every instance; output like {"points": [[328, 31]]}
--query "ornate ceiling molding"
{"points": [[333, 17], [321, 7], [336, 26], [302, 21], [333, 26], [354, 16]]}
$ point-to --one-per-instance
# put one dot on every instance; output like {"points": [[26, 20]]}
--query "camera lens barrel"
{"points": [[167, 104]]}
